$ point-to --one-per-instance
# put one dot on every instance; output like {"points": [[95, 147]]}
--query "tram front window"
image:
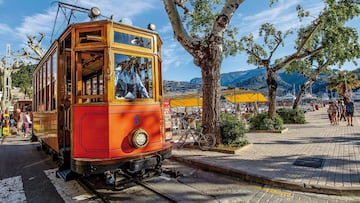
{"points": [[133, 77]]}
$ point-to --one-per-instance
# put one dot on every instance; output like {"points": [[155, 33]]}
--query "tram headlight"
{"points": [[139, 138], [94, 13], [151, 26]]}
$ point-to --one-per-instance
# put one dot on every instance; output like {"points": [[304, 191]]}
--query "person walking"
{"points": [[27, 122], [349, 109], [19, 121], [341, 114], [332, 110]]}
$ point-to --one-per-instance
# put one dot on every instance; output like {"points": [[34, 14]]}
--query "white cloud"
{"points": [[44, 22], [283, 15], [272, 14], [4, 29], [120, 9], [174, 55], [166, 29], [36, 23]]}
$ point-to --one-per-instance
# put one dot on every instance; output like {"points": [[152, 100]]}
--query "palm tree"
{"points": [[344, 81]]}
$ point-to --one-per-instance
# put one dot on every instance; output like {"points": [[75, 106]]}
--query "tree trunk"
{"points": [[272, 86], [211, 99], [301, 92]]}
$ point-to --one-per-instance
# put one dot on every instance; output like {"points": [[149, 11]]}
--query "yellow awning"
{"points": [[186, 102], [195, 99], [246, 97]]}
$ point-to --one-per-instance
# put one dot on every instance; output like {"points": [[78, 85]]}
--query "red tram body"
{"points": [[79, 112]]}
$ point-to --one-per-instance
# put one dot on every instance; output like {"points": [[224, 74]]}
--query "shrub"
{"points": [[262, 121], [291, 116], [232, 130]]}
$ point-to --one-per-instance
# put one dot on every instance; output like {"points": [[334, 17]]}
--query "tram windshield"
{"points": [[133, 77]]}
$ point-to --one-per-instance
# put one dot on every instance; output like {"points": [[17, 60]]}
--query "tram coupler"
{"points": [[109, 178], [173, 173]]}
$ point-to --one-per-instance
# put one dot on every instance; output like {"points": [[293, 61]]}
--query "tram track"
{"points": [[160, 185], [91, 189], [169, 197], [162, 188], [188, 185], [106, 193]]}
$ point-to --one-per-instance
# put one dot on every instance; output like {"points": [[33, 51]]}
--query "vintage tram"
{"points": [[98, 100], [23, 105]]}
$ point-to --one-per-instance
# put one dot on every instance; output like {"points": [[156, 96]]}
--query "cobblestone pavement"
{"points": [[327, 157]]}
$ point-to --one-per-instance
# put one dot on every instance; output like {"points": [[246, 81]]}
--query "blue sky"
{"points": [[19, 18]]}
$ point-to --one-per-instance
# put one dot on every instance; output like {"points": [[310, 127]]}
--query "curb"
{"points": [[221, 150], [269, 131], [344, 191]]}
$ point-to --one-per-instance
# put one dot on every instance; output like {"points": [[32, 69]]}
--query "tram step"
{"points": [[66, 174]]}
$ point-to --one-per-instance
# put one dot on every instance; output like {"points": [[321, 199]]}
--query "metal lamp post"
{"points": [[346, 93]]}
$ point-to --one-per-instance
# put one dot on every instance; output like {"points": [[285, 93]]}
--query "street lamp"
{"points": [[234, 96]]}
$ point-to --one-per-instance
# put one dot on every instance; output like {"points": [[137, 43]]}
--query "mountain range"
{"points": [[255, 79]]}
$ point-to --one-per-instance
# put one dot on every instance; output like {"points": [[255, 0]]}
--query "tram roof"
{"points": [[99, 22], [105, 21]]}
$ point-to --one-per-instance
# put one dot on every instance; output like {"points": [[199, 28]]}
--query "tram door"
{"points": [[89, 77], [65, 96]]}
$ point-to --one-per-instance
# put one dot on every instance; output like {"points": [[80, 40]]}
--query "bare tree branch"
{"points": [[181, 4]]}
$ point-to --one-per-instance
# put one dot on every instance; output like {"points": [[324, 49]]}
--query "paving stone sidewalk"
{"points": [[327, 157]]}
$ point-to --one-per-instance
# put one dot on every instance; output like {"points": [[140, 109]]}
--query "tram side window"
{"points": [[93, 86], [43, 88], [53, 80], [133, 77], [48, 86]]}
